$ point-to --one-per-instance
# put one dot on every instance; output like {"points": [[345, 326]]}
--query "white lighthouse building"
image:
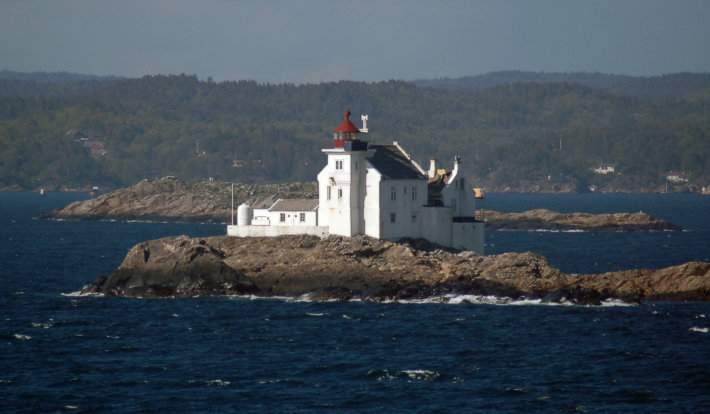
{"points": [[379, 191]]}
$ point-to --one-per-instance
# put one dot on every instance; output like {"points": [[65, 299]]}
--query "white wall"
{"points": [[436, 224], [403, 207], [323, 204], [343, 212], [334, 211], [273, 231], [260, 217], [459, 194], [292, 218], [468, 236], [371, 206]]}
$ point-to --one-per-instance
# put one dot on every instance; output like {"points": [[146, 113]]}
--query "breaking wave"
{"points": [[409, 375], [447, 299]]}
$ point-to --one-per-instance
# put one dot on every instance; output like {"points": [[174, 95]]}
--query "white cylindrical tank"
{"points": [[244, 214]]}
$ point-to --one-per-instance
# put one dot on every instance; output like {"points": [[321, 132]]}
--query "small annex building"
{"points": [[378, 191], [288, 212], [278, 218]]}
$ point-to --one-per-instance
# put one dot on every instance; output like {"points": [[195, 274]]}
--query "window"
{"points": [[405, 190], [453, 205], [393, 217], [302, 217], [393, 193], [339, 164], [328, 193], [414, 193], [462, 183], [414, 218], [340, 193], [355, 165], [282, 217]]}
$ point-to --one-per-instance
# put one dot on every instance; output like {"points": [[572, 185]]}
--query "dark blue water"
{"points": [[64, 353], [592, 252]]}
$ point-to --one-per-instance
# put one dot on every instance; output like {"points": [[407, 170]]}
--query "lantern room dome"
{"points": [[347, 126]]}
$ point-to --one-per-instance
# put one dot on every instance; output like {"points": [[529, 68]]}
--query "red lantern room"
{"points": [[346, 132]]}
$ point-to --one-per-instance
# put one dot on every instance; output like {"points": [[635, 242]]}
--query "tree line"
{"points": [[260, 133]]}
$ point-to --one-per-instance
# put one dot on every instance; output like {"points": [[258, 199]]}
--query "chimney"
{"points": [[433, 166], [457, 161]]}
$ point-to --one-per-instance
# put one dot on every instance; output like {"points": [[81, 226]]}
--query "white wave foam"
{"points": [[257, 297], [218, 382], [456, 299], [274, 381], [421, 374], [45, 325], [409, 375], [22, 337], [78, 294], [447, 299], [214, 382], [616, 302], [703, 329], [561, 231]]}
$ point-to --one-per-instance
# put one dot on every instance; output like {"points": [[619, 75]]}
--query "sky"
{"points": [[314, 41]]}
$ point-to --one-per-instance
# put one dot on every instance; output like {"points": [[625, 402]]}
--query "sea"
{"points": [[64, 352]]}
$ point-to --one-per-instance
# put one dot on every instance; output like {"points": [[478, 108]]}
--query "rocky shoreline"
{"points": [[172, 200], [344, 268], [541, 219]]}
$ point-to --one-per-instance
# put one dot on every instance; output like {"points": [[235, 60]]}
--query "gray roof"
{"points": [[262, 202], [295, 205], [393, 165]]}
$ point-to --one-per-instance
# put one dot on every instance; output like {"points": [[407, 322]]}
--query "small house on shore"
{"points": [[605, 169], [677, 177]]}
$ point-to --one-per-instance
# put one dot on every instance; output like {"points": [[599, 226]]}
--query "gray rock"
{"points": [[370, 269], [541, 219], [177, 266]]}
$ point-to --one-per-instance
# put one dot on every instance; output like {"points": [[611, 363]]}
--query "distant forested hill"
{"points": [[655, 87], [53, 77], [42, 84], [521, 134]]}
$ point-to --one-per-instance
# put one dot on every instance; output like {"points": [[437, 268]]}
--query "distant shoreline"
{"points": [[172, 200], [108, 190]]}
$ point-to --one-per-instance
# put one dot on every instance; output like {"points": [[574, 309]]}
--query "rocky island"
{"points": [[355, 267], [172, 200], [344, 268], [541, 219]]}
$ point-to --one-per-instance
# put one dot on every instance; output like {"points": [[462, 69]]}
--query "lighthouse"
{"points": [[341, 195], [378, 191]]}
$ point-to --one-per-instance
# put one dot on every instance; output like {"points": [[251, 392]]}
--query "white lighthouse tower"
{"points": [[341, 198]]}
